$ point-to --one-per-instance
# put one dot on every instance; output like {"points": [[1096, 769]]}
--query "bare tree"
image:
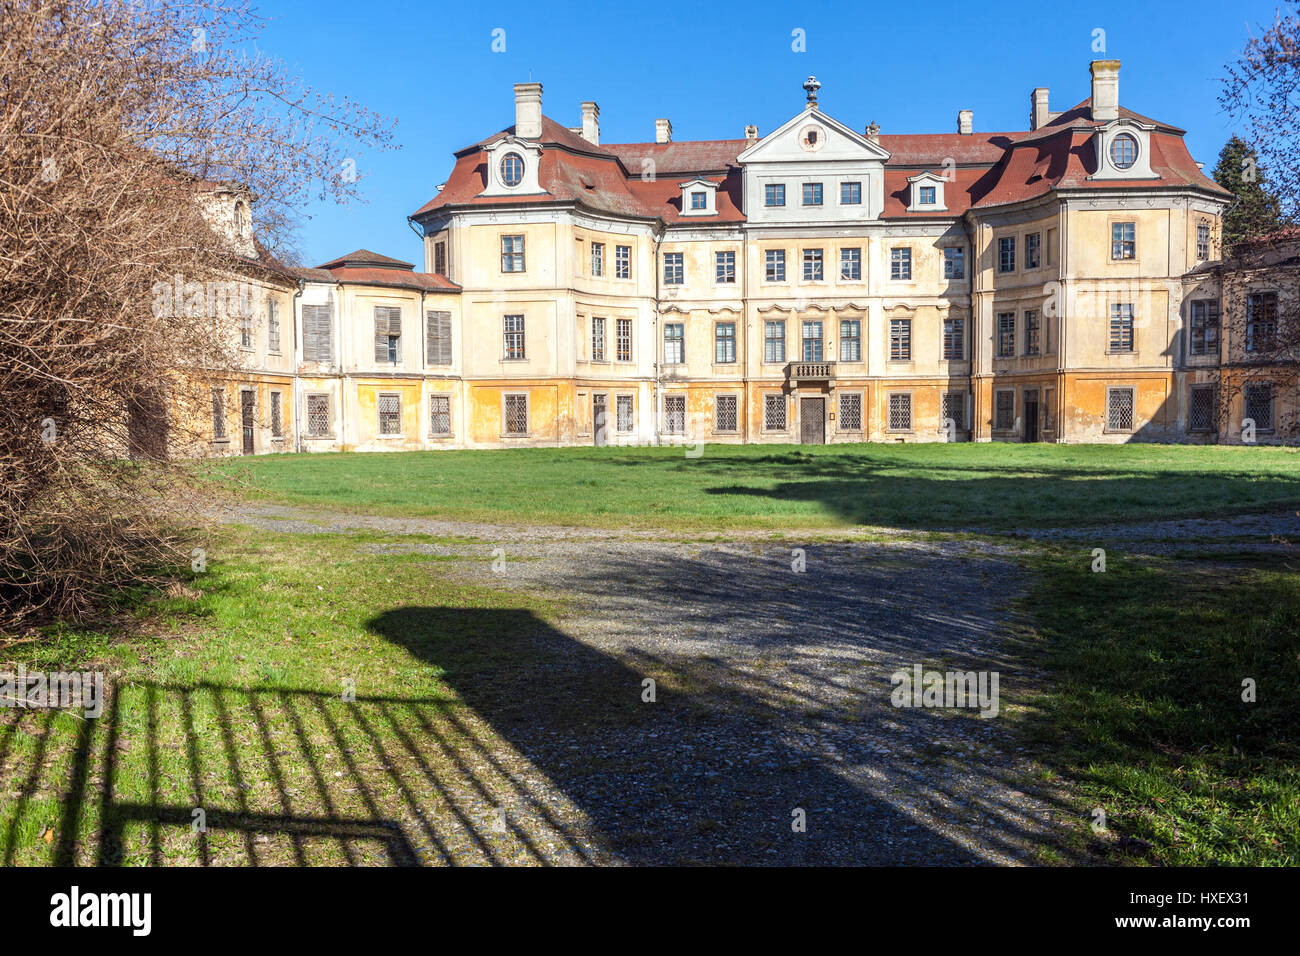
{"points": [[127, 130]]}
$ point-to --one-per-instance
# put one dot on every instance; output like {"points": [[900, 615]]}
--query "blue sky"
{"points": [[910, 68]]}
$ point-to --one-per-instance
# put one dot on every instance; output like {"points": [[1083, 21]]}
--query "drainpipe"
{"points": [[343, 377], [970, 367], [297, 390], [657, 231]]}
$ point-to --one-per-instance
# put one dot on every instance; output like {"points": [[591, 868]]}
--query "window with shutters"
{"points": [[439, 415], [674, 343], [622, 262], [812, 341], [1006, 334], [623, 340], [1258, 405], [437, 338], [516, 414], [724, 343], [1200, 408], [675, 414], [850, 412], [1119, 409], [1261, 321], [850, 340], [773, 341], [725, 267], [1205, 327], [1004, 410], [597, 339], [597, 259], [774, 413], [440, 258], [513, 326], [390, 413], [624, 406], [317, 334], [512, 253], [1121, 327], [954, 339], [388, 334], [725, 413], [319, 424], [900, 340], [900, 412], [774, 265], [273, 325], [954, 409], [218, 414], [1033, 331], [277, 415]]}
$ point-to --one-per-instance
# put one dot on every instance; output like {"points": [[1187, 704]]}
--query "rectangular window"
{"points": [[812, 341], [954, 262], [675, 414], [775, 265], [512, 253], [926, 197], [774, 194], [514, 336], [900, 411], [1258, 405], [851, 194], [440, 258], [851, 264], [773, 341], [724, 342], [1205, 327], [1006, 334], [774, 409], [1033, 331], [516, 414], [597, 339], [1121, 327], [390, 413], [277, 415], [725, 417], [726, 266], [900, 263], [388, 334], [812, 194], [850, 340], [812, 265], [318, 416], [1200, 408], [1261, 321], [850, 412], [1203, 241], [699, 200], [954, 339], [623, 339], [437, 339], [623, 405], [317, 333], [1032, 250], [1123, 240], [674, 343], [1007, 254], [218, 414], [1051, 247], [597, 258], [900, 340], [272, 325], [245, 331], [1004, 410], [954, 409], [1119, 409], [622, 262], [439, 415], [674, 269]]}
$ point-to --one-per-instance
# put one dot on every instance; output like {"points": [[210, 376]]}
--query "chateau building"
{"points": [[820, 283]]}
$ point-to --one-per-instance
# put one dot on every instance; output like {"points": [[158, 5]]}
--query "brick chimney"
{"points": [[965, 122], [1105, 89], [528, 110], [1039, 114], [591, 123], [663, 131], [751, 134]]}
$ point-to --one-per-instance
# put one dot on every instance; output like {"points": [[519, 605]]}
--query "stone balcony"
{"points": [[797, 372]]}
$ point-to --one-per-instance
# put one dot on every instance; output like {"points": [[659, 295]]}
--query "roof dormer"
{"points": [[925, 193], [699, 198], [512, 167], [1123, 150]]}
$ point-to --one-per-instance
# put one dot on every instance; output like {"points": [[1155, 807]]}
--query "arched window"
{"points": [[512, 169], [1123, 151]]}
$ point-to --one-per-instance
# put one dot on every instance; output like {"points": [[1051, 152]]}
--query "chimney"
{"points": [[965, 122], [591, 123], [751, 134], [528, 110], [663, 131], [1039, 114], [1105, 89], [873, 132]]}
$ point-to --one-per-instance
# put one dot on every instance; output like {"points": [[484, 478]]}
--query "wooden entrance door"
{"points": [[1031, 416], [599, 416], [246, 419], [812, 421]]}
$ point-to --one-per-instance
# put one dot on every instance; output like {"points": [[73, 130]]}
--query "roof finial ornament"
{"points": [[812, 86]]}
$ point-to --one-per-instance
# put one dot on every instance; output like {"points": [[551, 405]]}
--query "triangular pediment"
{"points": [[812, 136]]}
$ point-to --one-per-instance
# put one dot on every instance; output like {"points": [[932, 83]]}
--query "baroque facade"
{"points": [[817, 284]]}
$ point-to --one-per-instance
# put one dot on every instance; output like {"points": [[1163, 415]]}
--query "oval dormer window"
{"points": [[1123, 151], [512, 169]]}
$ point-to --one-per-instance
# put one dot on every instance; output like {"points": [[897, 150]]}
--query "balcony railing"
{"points": [[810, 371]]}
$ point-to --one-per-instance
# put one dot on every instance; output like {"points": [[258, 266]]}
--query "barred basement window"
{"points": [[1006, 334], [437, 339], [317, 322], [774, 409], [390, 413], [318, 415], [1200, 409], [388, 334], [850, 411], [954, 407], [1119, 409], [725, 415], [1033, 327], [514, 336], [597, 339], [773, 341], [774, 265], [439, 415], [272, 325], [516, 414], [900, 340], [277, 415], [623, 404], [1121, 327], [725, 263], [675, 414], [218, 414], [954, 339], [623, 340], [724, 343], [900, 411], [1004, 410], [622, 262], [1205, 327], [1259, 405], [850, 340]]}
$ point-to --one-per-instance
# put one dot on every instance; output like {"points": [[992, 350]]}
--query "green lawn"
{"points": [[740, 486]]}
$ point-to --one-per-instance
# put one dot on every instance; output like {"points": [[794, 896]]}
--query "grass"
{"points": [[1145, 711], [922, 486]]}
